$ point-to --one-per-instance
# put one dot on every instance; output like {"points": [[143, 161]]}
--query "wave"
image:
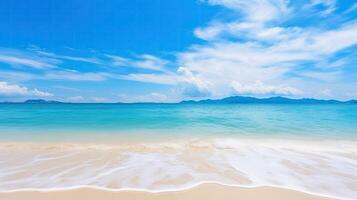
{"points": [[327, 168]]}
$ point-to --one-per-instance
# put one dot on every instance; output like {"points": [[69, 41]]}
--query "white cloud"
{"points": [[91, 60], [70, 75], [326, 64], [73, 75], [213, 68], [254, 55], [75, 99], [81, 99], [150, 62], [65, 88], [99, 99], [191, 85], [38, 93], [7, 89], [16, 76], [23, 60], [258, 88], [334, 40], [144, 61], [256, 13], [151, 97], [326, 92], [256, 10], [254, 52], [162, 78], [322, 76]]}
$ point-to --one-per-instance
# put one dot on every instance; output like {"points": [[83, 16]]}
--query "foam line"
{"points": [[59, 189]]}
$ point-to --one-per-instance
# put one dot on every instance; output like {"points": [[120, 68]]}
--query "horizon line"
{"points": [[49, 101]]}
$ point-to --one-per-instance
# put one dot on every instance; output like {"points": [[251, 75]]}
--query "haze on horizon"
{"points": [[168, 51]]}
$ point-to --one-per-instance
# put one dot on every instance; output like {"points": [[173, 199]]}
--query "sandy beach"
{"points": [[204, 191], [323, 169]]}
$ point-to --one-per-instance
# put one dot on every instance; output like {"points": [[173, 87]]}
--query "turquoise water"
{"points": [[70, 121]]}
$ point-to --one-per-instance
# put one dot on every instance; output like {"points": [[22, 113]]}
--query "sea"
{"points": [[21, 122], [168, 147]]}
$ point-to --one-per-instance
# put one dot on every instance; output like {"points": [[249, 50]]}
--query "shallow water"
{"points": [[83, 121]]}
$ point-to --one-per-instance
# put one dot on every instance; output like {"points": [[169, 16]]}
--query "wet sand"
{"points": [[315, 167], [208, 191]]}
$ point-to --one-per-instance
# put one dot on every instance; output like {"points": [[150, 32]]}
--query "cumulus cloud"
{"points": [[191, 85], [9, 90]]}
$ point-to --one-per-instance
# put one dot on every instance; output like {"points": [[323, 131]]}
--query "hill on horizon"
{"points": [[226, 100]]}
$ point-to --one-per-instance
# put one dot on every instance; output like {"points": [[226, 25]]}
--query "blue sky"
{"points": [[167, 51]]}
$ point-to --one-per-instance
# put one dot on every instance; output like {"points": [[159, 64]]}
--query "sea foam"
{"points": [[319, 167]]}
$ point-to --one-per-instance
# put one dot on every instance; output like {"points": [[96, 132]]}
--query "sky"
{"points": [[168, 51]]}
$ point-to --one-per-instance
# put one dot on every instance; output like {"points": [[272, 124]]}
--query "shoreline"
{"points": [[298, 143], [207, 190], [158, 136], [309, 167]]}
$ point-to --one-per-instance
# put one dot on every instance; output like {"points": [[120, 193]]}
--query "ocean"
{"points": [[19, 122], [169, 147]]}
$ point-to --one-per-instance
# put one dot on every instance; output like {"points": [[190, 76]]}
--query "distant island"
{"points": [[270, 100], [227, 100], [35, 101]]}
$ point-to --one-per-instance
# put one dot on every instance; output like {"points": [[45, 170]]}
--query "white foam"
{"points": [[319, 167]]}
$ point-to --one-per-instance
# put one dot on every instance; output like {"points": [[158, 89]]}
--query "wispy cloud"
{"points": [[151, 97], [16, 76], [258, 88], [352, 8], [163, 78], [322, 76], [7, 89], [74, 75], [76, 98], [20, 58], [145, 61], [64, 75], [92, 60], [255, 10], [329, 6], [81, 99]]}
